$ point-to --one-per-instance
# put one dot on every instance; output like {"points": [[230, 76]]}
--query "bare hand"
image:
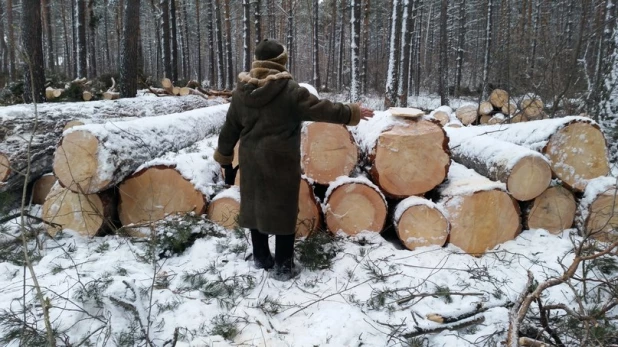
{"points": [[366, 113]]}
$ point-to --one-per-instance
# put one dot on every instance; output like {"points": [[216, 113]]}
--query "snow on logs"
{"points": [[88, 215], [94, 157], [407, 156], [597, 215], [575, 146], [328, 151], [353, 205], [553, 210], [482, 215], [420, 222], [17, 124], [525, 172]]}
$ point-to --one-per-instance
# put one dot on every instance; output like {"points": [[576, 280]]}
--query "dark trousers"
{"points": [[284, 248]]}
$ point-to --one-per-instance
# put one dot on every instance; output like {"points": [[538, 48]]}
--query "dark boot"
{"points": [[261, 253], [284, 258]]}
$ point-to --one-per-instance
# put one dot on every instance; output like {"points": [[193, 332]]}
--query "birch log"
{"points": [[482, 215], [94, 157]]}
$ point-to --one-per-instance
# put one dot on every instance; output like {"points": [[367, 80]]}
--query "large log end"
{"points": [[41, 188], [553, 210], [224, 208], [355, 207], [76, 163], [529, 178], [5, 167], [419, 223]]}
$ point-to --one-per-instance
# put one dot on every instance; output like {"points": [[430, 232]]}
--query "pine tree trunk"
{"points": [[67, 51], [417, 84], [257, 17], [330, 62], [174, 38], [49, 35], [129, 60], [200, 74], [105, 24], [186, 68], [219, 39], [92, 31], [4, 50], [486, 62], [165, 24], [211, 43], [460, 45], [229, 81], [246, 31], [355, 87], [32, 44], [404, 59], [443, 53], [316, 46], [82, 57], [365, 57], [290, 38], [390, 96], [341, 45], [11, 39]]}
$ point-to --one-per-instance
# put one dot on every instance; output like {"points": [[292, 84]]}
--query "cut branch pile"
{"points": [[355, 174]]}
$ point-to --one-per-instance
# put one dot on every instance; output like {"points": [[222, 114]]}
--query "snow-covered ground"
{"points": [[373, 295]]}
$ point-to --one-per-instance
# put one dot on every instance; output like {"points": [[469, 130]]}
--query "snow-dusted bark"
{"points": [[165, 24], [211, 43], [391, 76], [460, 45], [355, 10], [219, 39], [316, 46], [80, 13], [257, 17], [246, 35], [487, 50], [444, 53], [608, 95], [404, 58], [229, 79], [93, 157]]}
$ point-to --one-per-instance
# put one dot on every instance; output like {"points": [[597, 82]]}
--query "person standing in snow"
{"points": [[266, 115]]}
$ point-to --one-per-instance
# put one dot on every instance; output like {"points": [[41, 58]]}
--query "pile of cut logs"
{"points": [[475, 187], [192, 88]]}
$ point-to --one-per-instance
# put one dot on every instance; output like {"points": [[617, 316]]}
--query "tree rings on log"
{"points": [[328, 151], [553, 210], [481, 214], [419, 222], [353, 207], [532, 107], [406, 112], [485, 108], [577, 153], [42, 187], [89, 215], [442, 117], [499, 98], [76, 163], [156, 192], [5, 167], [467, 114], [309, 216], [410, 159], [528, 178], [225, 208], [598, 212]]}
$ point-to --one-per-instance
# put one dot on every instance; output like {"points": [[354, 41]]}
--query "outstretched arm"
{"points": [[310, 108]]}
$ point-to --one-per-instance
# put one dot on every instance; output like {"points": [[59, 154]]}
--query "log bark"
{"points": [[354, 205], [19, 120], [597, 214], [42, 187], [94, 157], [575, 146], [225, 208], [525, 172], [410, 159], [88, 215], [328, 151], [499, 98], [467, 114], [553, 210], [482, 215], [419, 223]]}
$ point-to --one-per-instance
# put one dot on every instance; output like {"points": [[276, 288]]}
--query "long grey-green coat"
{"points": [[266, 115]]}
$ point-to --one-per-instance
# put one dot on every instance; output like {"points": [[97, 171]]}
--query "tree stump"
{"points": [[554, 210], [354, 205], [419, 222]]}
